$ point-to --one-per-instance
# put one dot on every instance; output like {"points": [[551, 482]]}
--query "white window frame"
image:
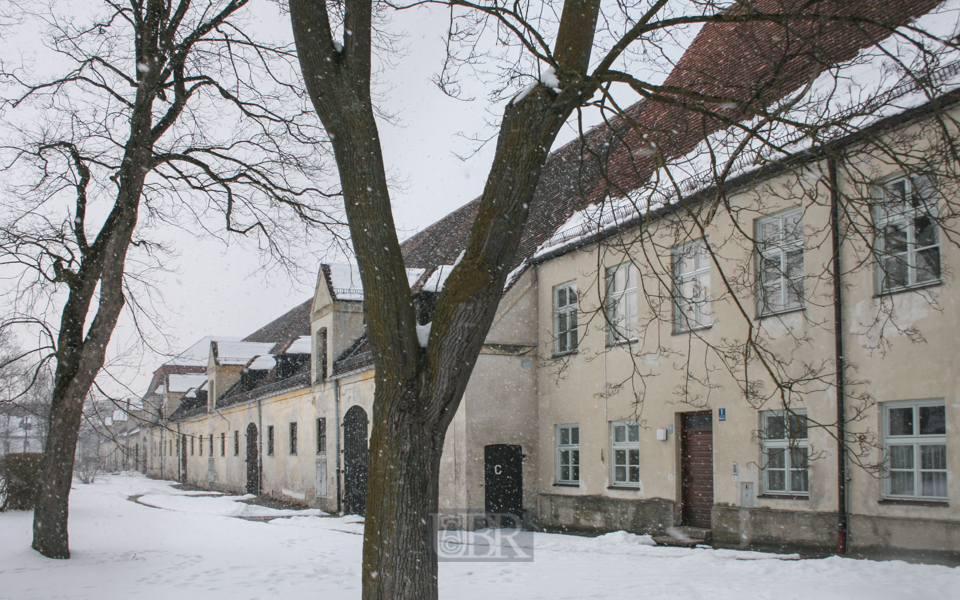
{"points": [[629, 460], [566, 339], [902, 204], [621, 303], [779, 239], [781, 454], [917, 442], [568, 453], [691, 277]]}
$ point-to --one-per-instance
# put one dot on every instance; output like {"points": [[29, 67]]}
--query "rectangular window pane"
{"points": [[621, 474], [901, 421], [933, 420], [799, 482], [901, 457], [928, 265], [775, 481], [926, 231], [776, 458], [633, 433], [620, 457], [933, 485], [775, 429], [574, 435], [798, 427], [564, 436], [620, 434], [901, 483], [564, 473], [933, 457]]}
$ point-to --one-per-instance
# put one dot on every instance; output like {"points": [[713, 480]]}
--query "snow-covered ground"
{"points": [[190, 545]]}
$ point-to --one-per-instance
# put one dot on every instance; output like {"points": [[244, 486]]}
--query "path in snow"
{"points": [[192, 548]]}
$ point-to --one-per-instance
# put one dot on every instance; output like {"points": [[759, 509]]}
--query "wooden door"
{"points": [[253, 460], [355, 461], [697, 468], [503, 479]]}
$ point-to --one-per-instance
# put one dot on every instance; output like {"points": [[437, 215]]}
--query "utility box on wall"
{"points": [[746, 494]]}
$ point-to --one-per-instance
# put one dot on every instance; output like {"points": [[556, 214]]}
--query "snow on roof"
{"points": [[301, 345], [262, 363], [240, 353], [414, 275], [345, 281], [199, 353], [185, 382], [436, 280], [119, 415], [851, 96], [193, 392], [346, 284]]}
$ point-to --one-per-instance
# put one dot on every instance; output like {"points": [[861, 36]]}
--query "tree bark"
{"points": [[80, 354], [418, 391]]}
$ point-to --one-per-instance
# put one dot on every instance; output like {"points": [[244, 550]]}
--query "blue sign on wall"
{"points": [[722, 414]]}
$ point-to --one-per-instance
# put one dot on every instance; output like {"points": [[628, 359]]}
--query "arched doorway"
{"points": [[183, 459], [355, 461], [253, 462]]}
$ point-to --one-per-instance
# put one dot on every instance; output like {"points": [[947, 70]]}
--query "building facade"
{"points": [[770, 362]]}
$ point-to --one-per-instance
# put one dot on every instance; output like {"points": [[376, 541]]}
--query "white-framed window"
{"points": [[621, 302], [568, 453], [907, 236], [783, 437], [565, 317], [691, 269], [625, 453], [915, 439], [780, 256]]}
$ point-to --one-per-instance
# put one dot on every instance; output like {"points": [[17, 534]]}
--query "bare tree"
{"points": [[156, 113], [573, 55]]}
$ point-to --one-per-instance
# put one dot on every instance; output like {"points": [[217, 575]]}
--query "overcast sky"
{"points": [[216, 289]]}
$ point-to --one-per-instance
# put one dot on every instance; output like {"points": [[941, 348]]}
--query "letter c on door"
{"points": [[497, 470]]}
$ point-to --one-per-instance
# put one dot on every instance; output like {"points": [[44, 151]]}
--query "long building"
{"points": [[767, 362]]}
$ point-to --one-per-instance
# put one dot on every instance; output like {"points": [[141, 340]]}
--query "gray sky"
{"points": [[218, 289]]}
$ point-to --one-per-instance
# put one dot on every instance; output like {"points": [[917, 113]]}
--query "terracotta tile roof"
{"points": [[751, 62], [755, 63]]}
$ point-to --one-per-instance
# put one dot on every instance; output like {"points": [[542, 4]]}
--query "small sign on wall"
{"points": [[721, 414]]}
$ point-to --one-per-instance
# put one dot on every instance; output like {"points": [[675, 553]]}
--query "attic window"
{"points": [[322, 355]]}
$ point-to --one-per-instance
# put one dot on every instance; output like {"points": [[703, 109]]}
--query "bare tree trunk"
{"points": [[419, 390], [79, 359], [398, 559]]}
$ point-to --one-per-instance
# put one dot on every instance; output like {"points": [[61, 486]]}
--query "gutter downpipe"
{"points": [[179, 450], [842, 526], [259, 447], [336, 436]]}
